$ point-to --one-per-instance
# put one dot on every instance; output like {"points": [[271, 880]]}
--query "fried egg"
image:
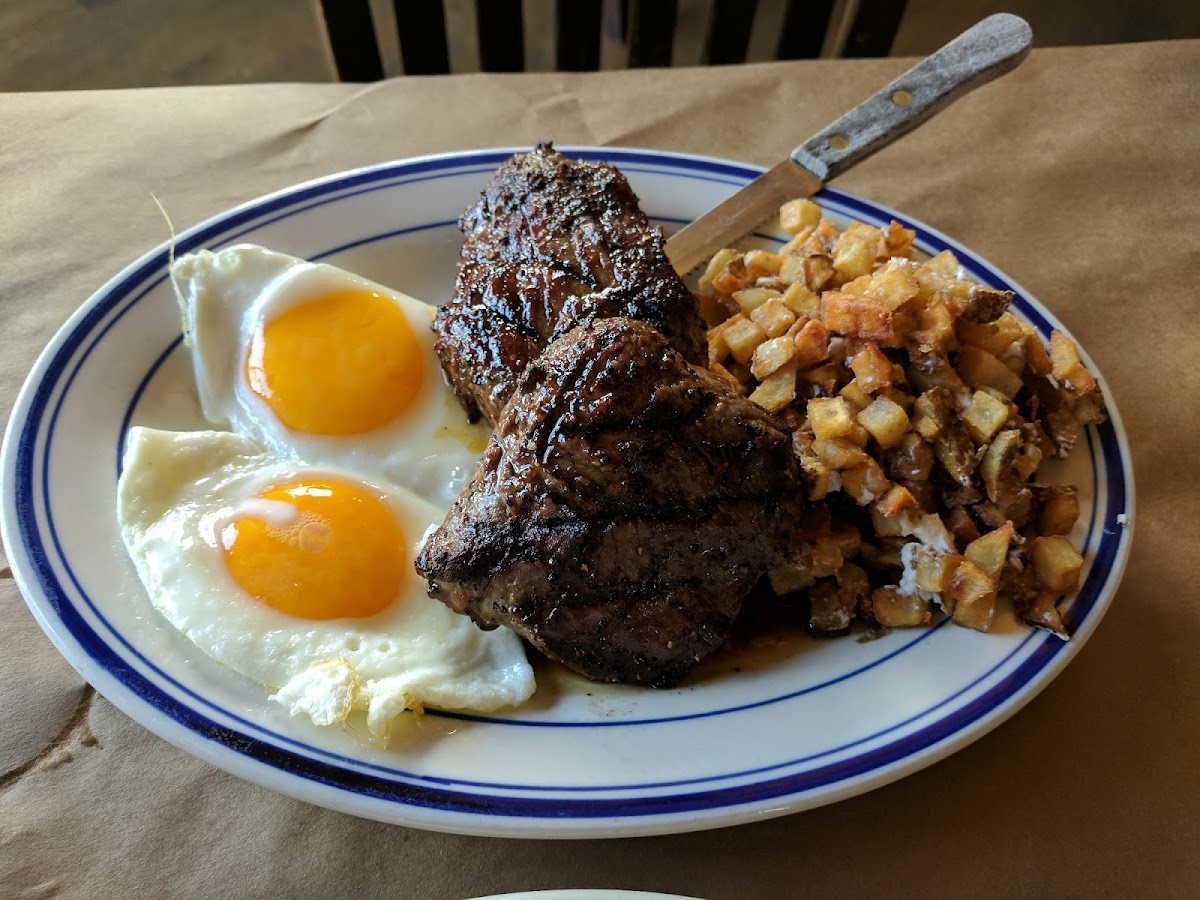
{"points": [[301, 579], [323, 367]]}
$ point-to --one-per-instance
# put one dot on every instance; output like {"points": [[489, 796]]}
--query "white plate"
{"points": [[822, 721]]}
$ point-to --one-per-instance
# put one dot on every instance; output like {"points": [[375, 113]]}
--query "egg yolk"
{"points": [[347, 362], [317, 550]]}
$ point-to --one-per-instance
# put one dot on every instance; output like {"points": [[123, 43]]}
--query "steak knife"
{"points": [[983, 52]]}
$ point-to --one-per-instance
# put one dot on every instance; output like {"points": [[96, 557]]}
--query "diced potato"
{"points": [[718, 348], [812, 344], [941, 275], [723, 373], [935, 327], [713, 309], [826, 557], [1042, 612], [901, 398], [829, 610], [858, 287], [838, 453], [816, 476], [777, 390], [961, 526], [1035, 353], [886, 526], [934, 570], [751, 298], [732, 277], [761, 263], [1056, 563], [897, 499], [790, 579], [887, 422], [796, 215], [742, 337], [858, 435], [865, 482], [719, 261], [990, 551], [1066, 367], [893, 609], [894, 284], [1058, 509], [985, 304], [813, 270], [773, 317], [856, 250], [826, 378], [979, 368], [803, 302], [853, 392], [830, 417], [872, 369], [772, 355], [984, 416], [861, 317], [897, 239], [847, 537], [973, 596], [996, 466]]}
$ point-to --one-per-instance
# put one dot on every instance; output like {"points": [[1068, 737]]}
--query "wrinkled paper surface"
{"points": [[1077, 175]]}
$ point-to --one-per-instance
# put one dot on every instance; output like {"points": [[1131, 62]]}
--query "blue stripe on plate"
{"points": [[382, 782]]}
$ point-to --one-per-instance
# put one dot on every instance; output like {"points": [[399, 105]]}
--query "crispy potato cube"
{"points": [[1035, 353], [772, 355], [713, 309], [773, 317], [803, 302], [887, 422], [894, 284], [826, 557], [716, 265], [942, 273], [858, 287], [1066, 367], [935, 327], [904, 400], [732, 277], [742, 337], [897, 499], [858, 435], [838, 453], [813, 270], [812, 344], [997, 337], [979, 368], [816, 476], [796, 215], [997, 465], [777, 390], [934, 570], [973, 596], [984, 416], [990, 551], [893, 609], [1042, 612], [829, 610], [1058, 508], [762, 263], [886, 526], [723, 373], [790, 579], [1056, 563], [853, 392], [830, 417], [865, 482], [718, 348], [825, 378], [872, 369], [898, 240], [751, 298], [985, 304], [861, 317], [856, 250]]}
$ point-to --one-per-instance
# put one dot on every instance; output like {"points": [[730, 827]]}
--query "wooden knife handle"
{"points": [[983, 52]]}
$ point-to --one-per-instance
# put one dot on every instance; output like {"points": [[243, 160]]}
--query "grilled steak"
{"points": [[625, 506], [553, 243]]}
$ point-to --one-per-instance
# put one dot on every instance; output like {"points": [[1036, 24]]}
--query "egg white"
{"points": [[225, 297], [176, 491]]}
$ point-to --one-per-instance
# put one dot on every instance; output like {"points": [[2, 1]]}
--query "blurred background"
{"points": [[78, 44]]}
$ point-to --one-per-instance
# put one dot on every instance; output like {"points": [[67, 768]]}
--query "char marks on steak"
{"points": [[551, 244], [625, 506]]}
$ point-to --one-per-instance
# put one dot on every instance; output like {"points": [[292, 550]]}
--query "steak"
{"points": [[551, 244], [625, 506]]}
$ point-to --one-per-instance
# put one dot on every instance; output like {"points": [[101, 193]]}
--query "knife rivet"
{"points": [[902, 98], [838, 142]]}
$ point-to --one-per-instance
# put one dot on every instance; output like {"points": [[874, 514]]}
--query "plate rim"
{"points": [[707, 817]]}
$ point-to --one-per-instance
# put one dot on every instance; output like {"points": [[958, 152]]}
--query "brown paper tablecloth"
{"points": [[1079, 175]]}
